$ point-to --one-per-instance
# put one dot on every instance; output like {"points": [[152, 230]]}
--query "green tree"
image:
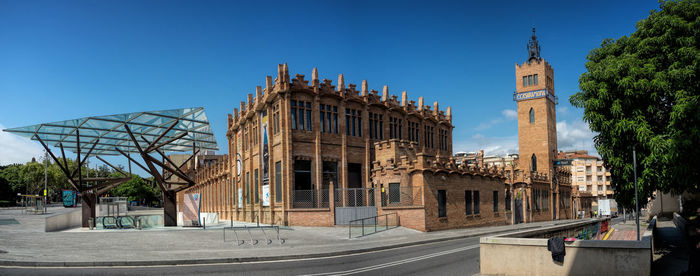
{"points": [[642, 91], [137, 189]]}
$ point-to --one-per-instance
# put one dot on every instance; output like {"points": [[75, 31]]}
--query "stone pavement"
{"points": [[627, 230], [671, 253], [25, 243]]}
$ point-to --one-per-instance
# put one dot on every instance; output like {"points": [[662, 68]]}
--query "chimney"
{"points": [[435, 108], [341, 83], [268, 83], [364, 88], [404, 98], [314, 78], [385, 93], [421, 104]]}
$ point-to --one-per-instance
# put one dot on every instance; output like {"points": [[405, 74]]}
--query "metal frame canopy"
{"points": [[144, 133], [182, 129]]}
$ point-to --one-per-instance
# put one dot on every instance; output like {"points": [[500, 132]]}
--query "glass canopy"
{"points": [[108, 133]]}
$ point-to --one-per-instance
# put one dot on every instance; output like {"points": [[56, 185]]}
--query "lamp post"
{"points": [[636, 199], [46, 160]]}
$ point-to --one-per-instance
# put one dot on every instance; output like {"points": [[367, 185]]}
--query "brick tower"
{"points": [[537, 123]]}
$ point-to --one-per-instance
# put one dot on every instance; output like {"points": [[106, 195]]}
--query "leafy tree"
{"points": [[642, 91], [138, 190]]}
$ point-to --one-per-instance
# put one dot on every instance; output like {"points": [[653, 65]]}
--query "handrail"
{"points": [[375, 222]]}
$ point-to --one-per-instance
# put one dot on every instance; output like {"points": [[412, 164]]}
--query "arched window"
{"points": [[533, 162], [532, 115]]}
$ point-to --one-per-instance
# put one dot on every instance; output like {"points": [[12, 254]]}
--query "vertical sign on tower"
{"points": [[264, 149]]}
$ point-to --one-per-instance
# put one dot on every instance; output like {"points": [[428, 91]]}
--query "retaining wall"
{"points": [[509, 255], [72, 219]]}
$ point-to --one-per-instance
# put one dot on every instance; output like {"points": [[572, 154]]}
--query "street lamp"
{"points": [[46, 160], [636, 199]]}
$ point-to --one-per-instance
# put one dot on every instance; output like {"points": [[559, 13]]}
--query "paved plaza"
{"points": [[26, 243]]}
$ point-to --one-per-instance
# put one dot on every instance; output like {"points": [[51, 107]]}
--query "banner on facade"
{"points": [[191, 209], [266, 195], [240, 198], [264, 149]]}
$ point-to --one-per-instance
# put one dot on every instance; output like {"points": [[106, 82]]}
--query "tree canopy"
{"points": [[641, 91]]}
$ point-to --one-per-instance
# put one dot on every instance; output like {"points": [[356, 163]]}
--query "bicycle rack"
{"points": [[252, 241]]}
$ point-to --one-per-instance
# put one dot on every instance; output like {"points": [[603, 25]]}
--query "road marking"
{"points": [[395, 263], [242, 262]]}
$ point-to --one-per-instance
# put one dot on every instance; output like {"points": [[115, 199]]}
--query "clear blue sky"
{"points": [[67, 59]]}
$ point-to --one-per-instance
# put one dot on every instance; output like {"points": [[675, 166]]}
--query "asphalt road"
{"points": [[455, 257]]}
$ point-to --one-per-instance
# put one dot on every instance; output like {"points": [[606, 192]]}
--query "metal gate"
{"points": [[518, 210], [354, 203]]}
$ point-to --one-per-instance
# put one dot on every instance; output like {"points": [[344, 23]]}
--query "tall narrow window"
{"points": [[301, 115], [394, 193], [524, 80], [495, 201], [532, 115], [322, 116], [468, 202], [335, 119], [308, 116], [294, 114], [533, 162], [278, 181], [508, 192], [442, 203], [257, 180], [247, 187], [476, 202], [535, 79], [381, 127], [529, 80]]}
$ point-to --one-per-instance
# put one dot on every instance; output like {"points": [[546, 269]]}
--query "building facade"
{"points": [[312, 153], [588, 174]]}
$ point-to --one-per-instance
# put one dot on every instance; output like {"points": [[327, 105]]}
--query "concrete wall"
{"points": [[64, 221], [529, 256]]}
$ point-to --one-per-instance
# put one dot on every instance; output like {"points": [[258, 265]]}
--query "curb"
{"points": [[9, 263]]}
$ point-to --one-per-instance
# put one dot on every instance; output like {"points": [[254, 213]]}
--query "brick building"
{"points": [[312, 153]]}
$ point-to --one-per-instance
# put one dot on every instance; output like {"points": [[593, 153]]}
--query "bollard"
{"points": [[138, 223], [91, 223]]}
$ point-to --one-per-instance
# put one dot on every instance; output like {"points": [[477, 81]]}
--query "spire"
{"points": [[404, 98], [314, 74], [365, 90], [533, 47]]}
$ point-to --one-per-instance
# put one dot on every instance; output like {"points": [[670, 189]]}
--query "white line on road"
{"points": [[395, 263]]}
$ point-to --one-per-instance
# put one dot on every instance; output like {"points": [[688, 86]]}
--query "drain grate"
{"points": [[8, 221]]}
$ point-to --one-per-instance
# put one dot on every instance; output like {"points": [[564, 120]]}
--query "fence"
{"points": [[310, 199], [354, 197], [396, 196], [365, 226]]}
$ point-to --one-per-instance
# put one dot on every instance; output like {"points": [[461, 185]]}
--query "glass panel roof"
{"points": [[108, 133]]}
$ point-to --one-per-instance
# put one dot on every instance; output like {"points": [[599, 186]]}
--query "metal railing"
{"points": [[365, 226], [310, 199]]}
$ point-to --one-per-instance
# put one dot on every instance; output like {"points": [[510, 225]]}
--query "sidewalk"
{"points": [[671, 254], [25, 243]]}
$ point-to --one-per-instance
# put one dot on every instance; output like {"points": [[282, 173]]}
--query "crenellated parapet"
{"points": [[215, 171], [393, 156], [283, 84]]}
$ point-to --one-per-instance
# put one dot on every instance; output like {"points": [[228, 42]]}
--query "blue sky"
{"points": [[66, 59]]}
